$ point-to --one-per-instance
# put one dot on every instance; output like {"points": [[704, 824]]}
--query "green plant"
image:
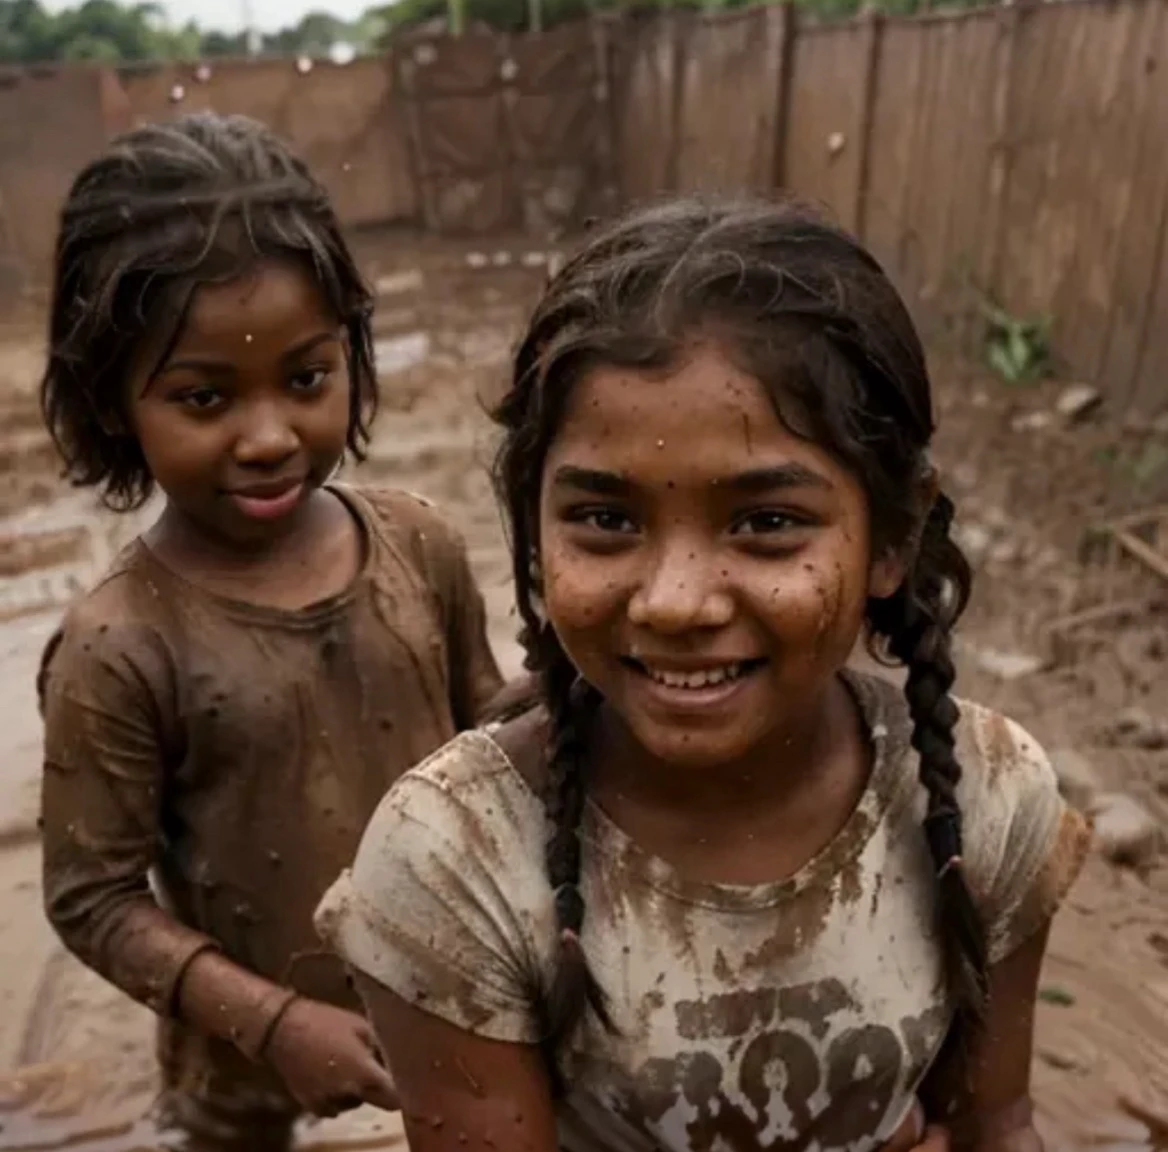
{"points": [[1016, 350]]}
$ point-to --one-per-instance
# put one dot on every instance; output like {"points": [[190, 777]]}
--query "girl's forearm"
{"points": [[220, 997]]}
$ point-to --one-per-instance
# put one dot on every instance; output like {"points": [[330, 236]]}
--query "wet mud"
{"points": [[79, 1057]]}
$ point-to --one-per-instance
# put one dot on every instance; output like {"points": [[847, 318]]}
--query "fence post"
{"points": [[679, 51], [874, 49], [1010, 16], [788, 30]]}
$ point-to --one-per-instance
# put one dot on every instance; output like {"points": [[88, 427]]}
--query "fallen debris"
{"points": [[1126, 833], [1077, 779], [1078, 400]]}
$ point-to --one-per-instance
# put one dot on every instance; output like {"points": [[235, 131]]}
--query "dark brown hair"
{"points": [[809, 313], [165, 208]]}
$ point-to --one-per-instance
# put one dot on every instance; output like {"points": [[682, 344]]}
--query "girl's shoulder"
{"points": [[446, 902], [1023, 845], [123, 625], [414, 533], [488, 778], [402, 516], [1002, 764]]}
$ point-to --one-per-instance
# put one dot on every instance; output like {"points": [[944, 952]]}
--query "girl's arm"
{"points": [[988, 1093], [458, 1090], [101, 809]]}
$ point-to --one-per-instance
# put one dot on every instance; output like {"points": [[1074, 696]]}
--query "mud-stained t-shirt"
{"points": [[234, 753], [798, 1013]]}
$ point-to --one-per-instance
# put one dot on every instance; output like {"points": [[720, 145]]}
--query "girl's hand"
{"points": [[328, 1059], [914, 1135]]}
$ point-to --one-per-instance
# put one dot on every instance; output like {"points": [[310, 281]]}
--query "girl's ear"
{"points": [[887, 573]]}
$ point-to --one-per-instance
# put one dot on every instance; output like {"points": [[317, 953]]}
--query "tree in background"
{"points": [[106, 30]]}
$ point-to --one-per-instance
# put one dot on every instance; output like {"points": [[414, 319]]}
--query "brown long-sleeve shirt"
{"points": [[234, 753]]}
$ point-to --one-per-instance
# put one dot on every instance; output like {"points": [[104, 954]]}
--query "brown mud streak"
{"points": [[1101, 1068]]}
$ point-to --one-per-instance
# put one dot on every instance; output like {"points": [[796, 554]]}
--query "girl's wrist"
{"points": [[262, 1020]]}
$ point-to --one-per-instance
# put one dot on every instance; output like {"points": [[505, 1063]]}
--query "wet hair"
{"points": [[803, 308], [166, 208]]}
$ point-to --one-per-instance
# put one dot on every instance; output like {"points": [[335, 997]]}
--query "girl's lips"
{"points": [[677, 692], [268, 507]]}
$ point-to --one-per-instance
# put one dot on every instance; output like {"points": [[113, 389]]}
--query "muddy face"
{"points": [[706, 569], [247, 412]]}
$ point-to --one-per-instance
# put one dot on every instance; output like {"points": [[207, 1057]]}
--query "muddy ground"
{"points": [[1065, 634]]}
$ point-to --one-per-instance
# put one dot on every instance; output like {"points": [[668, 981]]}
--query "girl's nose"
{"points": [[266, 439], [681, 592]]}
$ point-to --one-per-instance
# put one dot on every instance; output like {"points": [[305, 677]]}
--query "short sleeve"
{"points": [[1024, 845], [432, 906]]}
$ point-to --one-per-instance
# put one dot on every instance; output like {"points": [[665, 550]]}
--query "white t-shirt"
{"points": [[803, 1012]]}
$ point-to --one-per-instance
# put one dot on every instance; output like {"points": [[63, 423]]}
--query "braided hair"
{"points": [[809, 313], [166, 208]]}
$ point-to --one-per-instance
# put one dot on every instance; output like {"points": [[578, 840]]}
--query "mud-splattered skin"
{"points": [[793, 1013], [683, 524], [225, 709], [760, 900]]}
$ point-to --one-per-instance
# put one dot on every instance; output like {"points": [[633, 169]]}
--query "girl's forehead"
{"points": [[270, 291], [699, 421]]}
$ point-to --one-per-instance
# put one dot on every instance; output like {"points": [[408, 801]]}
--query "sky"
{"points": [[228, 15]]}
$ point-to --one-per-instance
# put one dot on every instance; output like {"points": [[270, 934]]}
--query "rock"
{"points": [[1007, 665], [1125, 832], [1137, 728], [1077, 778], [1077, 401], [1032, 421]]}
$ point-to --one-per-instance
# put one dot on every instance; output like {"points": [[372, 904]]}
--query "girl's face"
{"points": [[704, 568], [249, 411]]}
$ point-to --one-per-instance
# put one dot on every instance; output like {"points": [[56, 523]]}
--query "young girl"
{"points": [[720, 893], [225, 708]]}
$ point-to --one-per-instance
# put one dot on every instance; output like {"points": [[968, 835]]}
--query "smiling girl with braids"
{"points": [[226, 707], [719, 893]]}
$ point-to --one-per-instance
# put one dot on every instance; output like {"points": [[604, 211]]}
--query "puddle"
{"points": [[62, 1106]]}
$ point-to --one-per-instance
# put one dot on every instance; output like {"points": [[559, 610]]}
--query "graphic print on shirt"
{"points": [[796, 1050]]}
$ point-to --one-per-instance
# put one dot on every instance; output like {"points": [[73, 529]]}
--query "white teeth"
{"points": [[703, 679]]}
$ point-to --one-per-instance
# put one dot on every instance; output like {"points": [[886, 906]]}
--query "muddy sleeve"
{"points": [[429, 911], [101, 691], [1024, 845], [475, 679]]}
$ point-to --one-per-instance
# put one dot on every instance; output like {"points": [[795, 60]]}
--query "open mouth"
{"points": [[695, 679]]}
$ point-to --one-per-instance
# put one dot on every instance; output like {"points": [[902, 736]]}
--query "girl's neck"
{"points": [[316, 557], [771, 781]]}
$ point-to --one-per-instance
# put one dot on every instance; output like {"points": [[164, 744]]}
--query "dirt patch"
{"points": [[1027, 489]]}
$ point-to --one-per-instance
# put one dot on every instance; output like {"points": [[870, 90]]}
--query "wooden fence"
{"points": [[1011, 153]]}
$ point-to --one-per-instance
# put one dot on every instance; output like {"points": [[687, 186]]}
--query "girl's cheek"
{"points": [[584, 591], [809, 597]]}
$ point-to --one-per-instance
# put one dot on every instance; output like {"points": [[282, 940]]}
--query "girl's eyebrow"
{"points": [[761, 480], [591, 480], [756, 481], [212, 365], [308, 344]]}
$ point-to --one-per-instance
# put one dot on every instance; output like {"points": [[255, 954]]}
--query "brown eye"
{"points": [[607, 520], [766, 522], [202, 399], [309, 380]]}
